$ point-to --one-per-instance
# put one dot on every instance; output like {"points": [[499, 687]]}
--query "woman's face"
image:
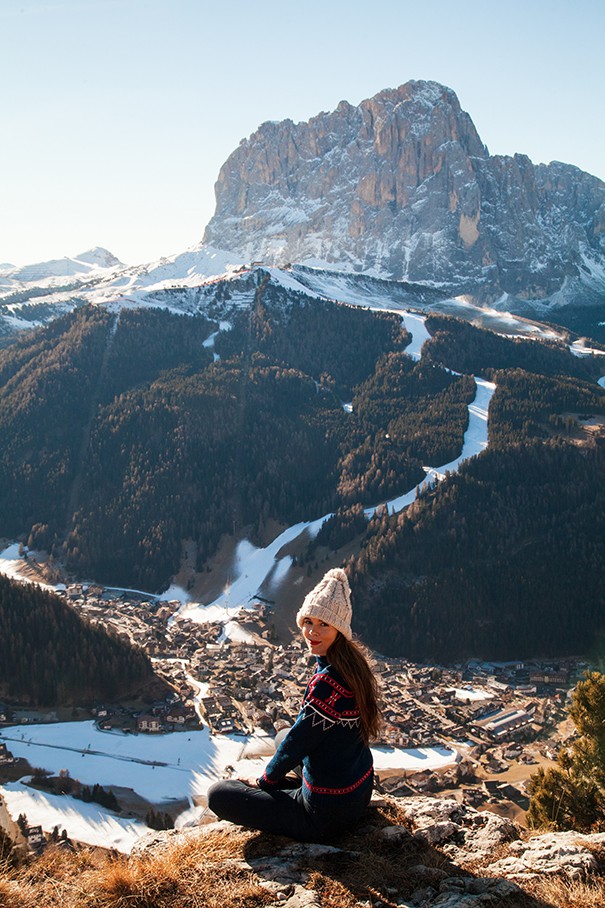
{"points": [[318, 635]]}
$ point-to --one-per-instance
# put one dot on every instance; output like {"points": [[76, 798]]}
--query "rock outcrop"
{"points": [[449, 856], [468, 836], [402, 186]]}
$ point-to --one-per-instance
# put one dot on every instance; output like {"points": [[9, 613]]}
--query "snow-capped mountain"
{"points": [[398, 189], [402, 187], [86, 263], [36, 294]]}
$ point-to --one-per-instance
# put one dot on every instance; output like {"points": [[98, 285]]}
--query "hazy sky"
{"points": [[117, 114]]}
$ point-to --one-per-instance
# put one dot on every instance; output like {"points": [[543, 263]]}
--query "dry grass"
{"points": [[564, 893], [200, 873], [211, 871]]}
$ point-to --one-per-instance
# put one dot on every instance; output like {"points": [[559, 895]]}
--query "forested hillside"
{"points": [[584, 320], [49, 655], [506, 558], [150, 440], [459, 345]]}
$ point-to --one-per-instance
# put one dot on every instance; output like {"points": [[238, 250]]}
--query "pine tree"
{"points": [[572, 794]]}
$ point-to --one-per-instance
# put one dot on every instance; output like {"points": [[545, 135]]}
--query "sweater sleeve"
{"points": [[326, 703]]}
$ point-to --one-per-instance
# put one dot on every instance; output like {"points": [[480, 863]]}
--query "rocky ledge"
{"points": [[425, 853]]}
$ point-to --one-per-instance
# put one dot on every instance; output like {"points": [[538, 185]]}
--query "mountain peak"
{"points": [[100, 257], [422, 90], [66, 267], [401, 186]]}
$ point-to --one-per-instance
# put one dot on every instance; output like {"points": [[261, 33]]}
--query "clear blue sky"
{"points": [[117, 114]]}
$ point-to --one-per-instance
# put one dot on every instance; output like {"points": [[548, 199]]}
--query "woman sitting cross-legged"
{"points": [[330, 738]]}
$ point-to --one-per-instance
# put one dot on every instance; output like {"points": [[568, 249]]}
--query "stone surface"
{"points": [[553, 852], [472, 893], [485, 838], [438, 821], [488, 857], [403, 187], [394, 834], [437, 833], [301, 898], [425, 812]]}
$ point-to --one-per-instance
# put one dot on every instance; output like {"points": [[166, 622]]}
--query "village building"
{"points": [[6, 757], [149, 723], [35, 839]]}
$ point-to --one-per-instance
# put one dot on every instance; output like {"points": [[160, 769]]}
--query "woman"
{"points": [[338, 716]]}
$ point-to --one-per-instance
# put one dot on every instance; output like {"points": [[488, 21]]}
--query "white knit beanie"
{"points": [[330, 601]]}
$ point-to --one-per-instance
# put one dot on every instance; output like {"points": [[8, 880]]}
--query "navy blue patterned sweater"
{"points": [[326, 740]]}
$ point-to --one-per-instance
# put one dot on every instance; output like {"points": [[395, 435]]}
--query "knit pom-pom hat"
{"points": [[330, 601]]}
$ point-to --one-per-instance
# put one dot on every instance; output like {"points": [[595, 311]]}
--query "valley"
{"points": [[387, 355], [477, 729], [462, 729]]}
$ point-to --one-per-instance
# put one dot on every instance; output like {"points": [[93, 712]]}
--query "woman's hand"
{"points": [[252, 783]]}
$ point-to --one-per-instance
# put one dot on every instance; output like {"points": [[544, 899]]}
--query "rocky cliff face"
{"points": [[403, 187]]}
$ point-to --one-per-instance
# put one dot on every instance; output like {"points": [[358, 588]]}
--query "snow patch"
{"points": [[11, 565], [235, 633], [175, 593], [86, 823], [579, 348], [414, 759], [416, 325], [471, 693], [252, 568]]}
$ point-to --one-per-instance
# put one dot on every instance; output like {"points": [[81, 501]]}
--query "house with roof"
{"points": [[149, 723]]}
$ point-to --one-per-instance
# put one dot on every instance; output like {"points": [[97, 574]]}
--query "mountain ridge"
{"points": [[85, 263], [402, 187]]}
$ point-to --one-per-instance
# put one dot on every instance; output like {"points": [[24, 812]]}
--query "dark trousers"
{"points": [[283, 812]]}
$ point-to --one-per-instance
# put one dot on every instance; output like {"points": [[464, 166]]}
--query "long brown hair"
{"points": [[352, 661]]}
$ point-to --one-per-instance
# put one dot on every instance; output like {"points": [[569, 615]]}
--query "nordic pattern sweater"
{"points": [[326, 740]]}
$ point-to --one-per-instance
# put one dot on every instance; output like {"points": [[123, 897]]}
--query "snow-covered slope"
{"points": [[36, 294], [93, 261], [204, 277]]}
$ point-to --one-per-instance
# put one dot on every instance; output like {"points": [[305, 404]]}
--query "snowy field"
{"points": [[86, 823], [163, 769]]}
